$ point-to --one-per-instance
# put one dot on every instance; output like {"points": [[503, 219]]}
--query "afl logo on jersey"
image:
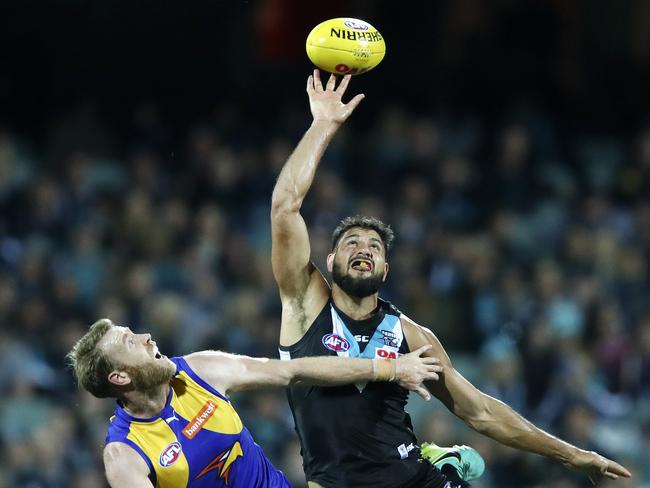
{"points": [[335, 343], [170, 454]]}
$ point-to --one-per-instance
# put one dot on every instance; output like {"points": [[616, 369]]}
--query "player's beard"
{"points": [[150, 375], [356, 287]]}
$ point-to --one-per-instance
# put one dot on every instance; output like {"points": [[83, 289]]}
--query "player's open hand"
{"points": [[325, 103], [412, 370], [596, 466]]}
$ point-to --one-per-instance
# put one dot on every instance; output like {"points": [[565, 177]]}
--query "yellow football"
{"points": [[345, 46]]}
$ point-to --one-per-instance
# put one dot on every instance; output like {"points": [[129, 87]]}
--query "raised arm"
{"points": [[124, 467], [497, 420], [291, 251], [230, 372]]}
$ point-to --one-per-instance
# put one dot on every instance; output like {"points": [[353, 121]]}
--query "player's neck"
{"points": [[146, 404], [354, 307]]}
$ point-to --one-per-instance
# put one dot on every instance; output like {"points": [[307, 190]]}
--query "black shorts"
{"points": [[432, 477]]}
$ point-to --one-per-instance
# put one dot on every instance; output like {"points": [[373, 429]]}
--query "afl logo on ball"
{"points": [[170, 454], [335, 343], [356, 24]]}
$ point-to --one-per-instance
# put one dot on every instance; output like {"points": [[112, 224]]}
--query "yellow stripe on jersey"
{"points": [[153, 438], [202, 409]]}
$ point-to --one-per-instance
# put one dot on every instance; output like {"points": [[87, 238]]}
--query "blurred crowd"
{"points": [[526, 251]]}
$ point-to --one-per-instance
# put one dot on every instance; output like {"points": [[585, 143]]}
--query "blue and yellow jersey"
{"points": [[197, 440]]}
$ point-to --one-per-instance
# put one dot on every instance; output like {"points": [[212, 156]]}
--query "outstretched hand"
{"points": [[596, 466], [326, 103], [412, 370]]}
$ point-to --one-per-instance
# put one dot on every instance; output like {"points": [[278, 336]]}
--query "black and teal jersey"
{"points": [[355, 435]]}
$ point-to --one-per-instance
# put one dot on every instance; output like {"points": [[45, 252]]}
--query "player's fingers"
{"points": [[420, 350], [431, 366], [611, 475], [343, 85], [331, 82], [423, 392], [430, 360], [617, 469], [352, 104], [432, 376], [310, 84], [318, 85]]}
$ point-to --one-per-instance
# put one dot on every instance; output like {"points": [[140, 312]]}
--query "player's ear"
{"points": [[330, 262], [119, 378], [386, 268]]}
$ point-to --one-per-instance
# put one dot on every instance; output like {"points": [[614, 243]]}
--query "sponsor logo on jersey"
{"points": [[361, 338], [170, 454], [384, 353], [404, 450], [390, 338], [169, 420], [335, 342], [197, 423]]}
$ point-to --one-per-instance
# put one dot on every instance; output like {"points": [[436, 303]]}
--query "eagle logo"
{"points": [[223, 462]]}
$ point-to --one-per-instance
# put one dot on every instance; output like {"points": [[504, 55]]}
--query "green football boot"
{"points": [[468, 463]]}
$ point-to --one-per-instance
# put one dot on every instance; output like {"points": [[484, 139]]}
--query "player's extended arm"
{"points": [[290, 241], [230, 372], [124, 467], [497, 420]]}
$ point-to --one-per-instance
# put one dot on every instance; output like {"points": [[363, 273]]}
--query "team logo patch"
{"points": [[223, 462], [170, 454], [390, 338], [335, 342]]}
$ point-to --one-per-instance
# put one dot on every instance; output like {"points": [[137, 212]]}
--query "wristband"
{"points": [[384, 369]]}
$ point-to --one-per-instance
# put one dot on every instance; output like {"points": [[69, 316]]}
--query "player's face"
{"points": [[358, 264], [138, 356]]}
